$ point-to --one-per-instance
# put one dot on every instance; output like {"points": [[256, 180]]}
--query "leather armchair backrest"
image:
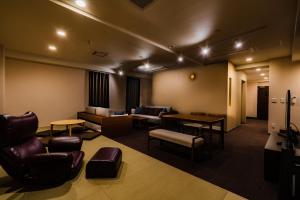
{"points": [[15, 130], [18, 142]]}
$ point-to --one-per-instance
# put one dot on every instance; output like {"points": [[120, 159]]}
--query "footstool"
{"points": [[105, 163]]}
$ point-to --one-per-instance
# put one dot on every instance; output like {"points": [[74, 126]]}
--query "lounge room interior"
{"points": [[149, 99]]}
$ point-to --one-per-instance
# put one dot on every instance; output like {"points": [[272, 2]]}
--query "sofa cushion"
{"points": [[138, 110], [118, 113], [168, 108], [103, 111], [147, 116], [156, 111], [90, 109]]}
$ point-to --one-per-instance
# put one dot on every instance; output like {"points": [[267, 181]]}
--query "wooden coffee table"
{"points": [[139, 122], [68, 123]]}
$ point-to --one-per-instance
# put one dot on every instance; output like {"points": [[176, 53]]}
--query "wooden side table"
{"points": [[68, 123]]}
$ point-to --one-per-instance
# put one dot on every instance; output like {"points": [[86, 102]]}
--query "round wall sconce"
{"points": [[192, 76]]}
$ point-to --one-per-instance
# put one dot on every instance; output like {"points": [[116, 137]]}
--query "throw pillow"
{"points": [[139, 110]]}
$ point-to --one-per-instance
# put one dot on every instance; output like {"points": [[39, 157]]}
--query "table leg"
{"points": [[70, 130], [51, 130], [222, 133], [210, 138]]}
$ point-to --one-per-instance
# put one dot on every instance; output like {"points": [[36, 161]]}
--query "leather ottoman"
{"points": [[105, 163]]}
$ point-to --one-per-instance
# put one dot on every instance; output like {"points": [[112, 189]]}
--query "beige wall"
{"points": [[146, 92], [234, 110], [252, 98], [208, 93], [284, 74], [53, 92], [2, 79]]}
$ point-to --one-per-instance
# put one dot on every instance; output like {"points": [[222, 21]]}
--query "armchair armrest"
{"points": [[65, 144], [50, 168]]}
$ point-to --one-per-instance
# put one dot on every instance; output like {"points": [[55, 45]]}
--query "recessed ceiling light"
{"points": [[266, 78], [249, 59], [262, 74], [147, 65], [120, 72], [61, 33], [180, 59], [205, 51], [258, 69], [238, 44], [52, 47], [81, 3]]}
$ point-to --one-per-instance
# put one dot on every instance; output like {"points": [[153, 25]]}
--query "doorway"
{"points": [[243, 102], [263, 102]]}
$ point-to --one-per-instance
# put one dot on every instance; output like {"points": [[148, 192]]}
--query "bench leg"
{"points": [[148, 147], [192, 152]]}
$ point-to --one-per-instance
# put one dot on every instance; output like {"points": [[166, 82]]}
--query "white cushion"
{"points": [[175, 137], [118, 115], [195, 125], [147, 116], [103, 111], [168, 108], [90, 109], [216, 128]]}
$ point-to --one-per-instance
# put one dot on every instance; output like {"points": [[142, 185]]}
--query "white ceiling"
{"points": [[132, 35]]}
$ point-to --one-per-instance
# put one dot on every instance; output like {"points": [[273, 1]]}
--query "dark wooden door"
{"points": [[263, 102]]}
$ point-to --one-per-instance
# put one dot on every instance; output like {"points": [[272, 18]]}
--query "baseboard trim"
{"points": [[251, 117]]}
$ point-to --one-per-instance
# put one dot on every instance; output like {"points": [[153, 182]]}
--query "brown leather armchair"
{"points": [[24, 157]]}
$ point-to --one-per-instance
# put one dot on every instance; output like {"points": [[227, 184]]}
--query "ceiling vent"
{"points": [[100, 54], [142, 3]]}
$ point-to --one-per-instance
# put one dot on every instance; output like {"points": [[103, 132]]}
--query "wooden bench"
{"points": [[186, 140]]}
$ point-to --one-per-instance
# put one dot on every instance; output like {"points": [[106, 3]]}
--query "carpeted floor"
{"points": [[238, 168]]}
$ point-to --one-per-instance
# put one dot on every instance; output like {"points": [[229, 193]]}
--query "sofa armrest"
{"points": [[65, 144], [50, 168], [172, 112]]}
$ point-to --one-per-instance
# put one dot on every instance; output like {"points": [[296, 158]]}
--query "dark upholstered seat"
{"points": [[105, 163], [24, 157]]}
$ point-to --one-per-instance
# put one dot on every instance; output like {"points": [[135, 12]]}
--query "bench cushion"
{"points": [[176, 137]]}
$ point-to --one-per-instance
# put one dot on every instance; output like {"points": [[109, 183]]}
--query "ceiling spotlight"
{"points": [[120, 72], [80, 3], [52, 47], [249, 59], [205, 51], [238, 44], [180, 59], [266, 78], [262, 74], [61, 33], [147, 66], [258, 69]]}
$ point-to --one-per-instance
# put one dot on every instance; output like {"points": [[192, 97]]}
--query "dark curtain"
{"points": [[98, 89], [132, 93]]}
